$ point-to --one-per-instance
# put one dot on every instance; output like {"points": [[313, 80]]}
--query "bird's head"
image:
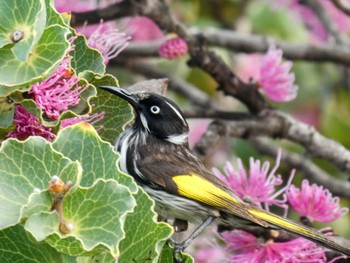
{"points": [[155, 114]]}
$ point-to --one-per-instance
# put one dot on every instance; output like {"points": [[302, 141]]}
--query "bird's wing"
{"points": [[190, 182]]}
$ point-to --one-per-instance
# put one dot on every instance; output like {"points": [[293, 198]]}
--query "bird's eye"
{"points": [[155, 109]]}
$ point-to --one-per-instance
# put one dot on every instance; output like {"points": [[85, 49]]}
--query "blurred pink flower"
{"points": [[275, 79], [173, 48], [248, 67], [74, 5], [259, 187], [208, 247], [92, 119], [197, 129], [58, 92], [28, 125], [141, 28], [315, 202], [210, 255], [108, 40], [310, 19], [245, 247]]}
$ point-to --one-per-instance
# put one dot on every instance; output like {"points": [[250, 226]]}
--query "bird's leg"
{"points": [[179, 247]]}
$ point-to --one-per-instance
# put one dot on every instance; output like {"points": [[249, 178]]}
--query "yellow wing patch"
{"points": [[196, 188], [283, 223]]}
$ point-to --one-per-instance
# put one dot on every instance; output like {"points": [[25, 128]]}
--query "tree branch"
{"points": [[275, 124], [178, 85]]}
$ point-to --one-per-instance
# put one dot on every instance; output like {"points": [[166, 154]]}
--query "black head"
{"points": [[155, 114]]}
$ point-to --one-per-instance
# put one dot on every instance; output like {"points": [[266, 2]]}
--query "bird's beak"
{"points": [[132, 98]]}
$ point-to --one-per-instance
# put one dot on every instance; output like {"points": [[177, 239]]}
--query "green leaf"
{"points": [[98, 79], [97, 214], [144, 236], [53, 17], [42, 225], [16, 245], [86, 58], [81, 142], [101, 258], [6, 112], [44, 58], [26, 169], [25, 18], [167, 255], [117, 113]]}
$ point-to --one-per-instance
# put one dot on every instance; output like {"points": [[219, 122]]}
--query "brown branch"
{"points": [[240, 42], [342, 6], [114, 11], [180, 86], [275, 124]]}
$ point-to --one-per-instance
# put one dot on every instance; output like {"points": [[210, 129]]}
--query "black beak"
{"points": [[124, 94]]}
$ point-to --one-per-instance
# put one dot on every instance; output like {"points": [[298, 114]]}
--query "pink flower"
{"points": [[248, 67], [275, 79], [92, 119], [207, 248], [259, 186], [141, 28], [245, 247], [173, 48], [108, 40], [58, 92], [315, 202], [28, 125], [210, 255], [197, 129], [74, 5]]}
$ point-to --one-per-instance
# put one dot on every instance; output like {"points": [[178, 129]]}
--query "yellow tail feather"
{"points": [[301, 230]]}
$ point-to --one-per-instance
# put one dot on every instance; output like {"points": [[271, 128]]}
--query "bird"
{"points": [[155, 151]]}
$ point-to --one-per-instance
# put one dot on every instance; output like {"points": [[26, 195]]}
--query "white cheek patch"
{"points": [[144, 121], [177, 112], [177, 138]]}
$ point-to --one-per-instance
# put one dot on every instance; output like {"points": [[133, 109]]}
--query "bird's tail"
{"points": [[301, 230]]}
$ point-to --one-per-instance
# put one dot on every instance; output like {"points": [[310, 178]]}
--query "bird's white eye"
{"points": [[155, 109]]}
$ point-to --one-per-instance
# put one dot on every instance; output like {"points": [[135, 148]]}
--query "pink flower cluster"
{"points": [[258, 186], [315, 202], [271, 74], [28, 125], [59, 92], [173, 48], [245, 247], [108, 40], [105, 37], [275, 79]]}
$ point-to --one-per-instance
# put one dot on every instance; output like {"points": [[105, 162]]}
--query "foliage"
{"points": [[97, 212]]}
